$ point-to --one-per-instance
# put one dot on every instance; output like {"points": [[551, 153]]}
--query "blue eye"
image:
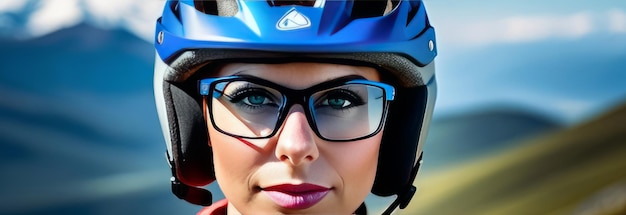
{"points": [[252, 98], [341, 99], [337, 103], [256, 100]]}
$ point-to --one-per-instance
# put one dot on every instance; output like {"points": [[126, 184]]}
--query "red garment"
{"points": [[217, 208]]}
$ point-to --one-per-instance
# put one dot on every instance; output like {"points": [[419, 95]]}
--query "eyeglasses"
{"points": [[344, 109]]}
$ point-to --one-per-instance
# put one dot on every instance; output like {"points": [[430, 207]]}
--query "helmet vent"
{"points": [[207, 7], [412, 14], [174, 8], [218, 8], [309, 3], [369, 8]]}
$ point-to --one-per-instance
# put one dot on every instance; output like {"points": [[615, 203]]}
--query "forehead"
{"points": [[298, 75]]}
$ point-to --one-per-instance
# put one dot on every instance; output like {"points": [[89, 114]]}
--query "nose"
{"points": [[296, 140]]}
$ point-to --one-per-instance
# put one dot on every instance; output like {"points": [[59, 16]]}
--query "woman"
{"points": [[294, 107]]}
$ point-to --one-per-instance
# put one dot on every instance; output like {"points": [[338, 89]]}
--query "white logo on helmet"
{"points": [[293, 20]]}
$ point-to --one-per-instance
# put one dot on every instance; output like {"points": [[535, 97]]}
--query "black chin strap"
{"points": [[193, 195], [402, 200], [405, 197]]}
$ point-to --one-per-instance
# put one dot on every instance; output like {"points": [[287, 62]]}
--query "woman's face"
{"points": [[294, 171]]}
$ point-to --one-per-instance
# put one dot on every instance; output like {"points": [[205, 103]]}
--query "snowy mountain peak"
{"points": [[20, 19]]}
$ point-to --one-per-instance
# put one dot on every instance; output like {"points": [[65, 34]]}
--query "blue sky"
{"points": [[466, 31], [592, 30], [475, 24]]}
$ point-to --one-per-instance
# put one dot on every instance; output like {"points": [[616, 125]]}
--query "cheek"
{"points": [[222, 156], [356, 164], [362, 165], [233, 163], [360, 159]]}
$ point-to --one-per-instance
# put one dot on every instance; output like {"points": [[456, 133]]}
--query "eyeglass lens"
{"points": [[251, 110]]}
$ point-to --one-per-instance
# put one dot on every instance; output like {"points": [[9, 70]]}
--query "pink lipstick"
{"points": [[299, 196]]}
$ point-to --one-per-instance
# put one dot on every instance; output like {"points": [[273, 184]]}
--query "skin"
{"points": [[295, 155]]}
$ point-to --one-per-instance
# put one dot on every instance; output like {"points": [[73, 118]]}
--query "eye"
{"points": [[252, 97], [336, 103], [256, 99], [341, 99]]}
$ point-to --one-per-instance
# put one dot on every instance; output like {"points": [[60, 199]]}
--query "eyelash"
{"points": [[243, 92], [352, 97]]}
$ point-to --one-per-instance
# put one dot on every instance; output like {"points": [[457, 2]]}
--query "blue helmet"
{"points": [[393, 35]]}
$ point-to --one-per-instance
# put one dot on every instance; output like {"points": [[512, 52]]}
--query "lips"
{"points": [[299, 196]]}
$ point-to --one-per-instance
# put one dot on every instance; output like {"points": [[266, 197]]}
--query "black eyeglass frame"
{"points": [[292, 97]]}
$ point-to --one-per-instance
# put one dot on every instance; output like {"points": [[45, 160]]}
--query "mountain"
{"points": [[80, 57], [78, 126], [570, 79], [455, 138], [26, 19], [14, 22], [577, 170], [81, 80]]}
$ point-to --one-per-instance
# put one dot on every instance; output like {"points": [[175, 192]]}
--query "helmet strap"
{"points": [[406, 195], [403, 200], [191, 194]]}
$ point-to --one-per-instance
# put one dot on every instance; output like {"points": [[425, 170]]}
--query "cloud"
{"points": [[480, 31], [145, 18], [109, 12], [617, 21], [11, 5], [136, 16], [515, 29], [53, 15], [520, 29]]}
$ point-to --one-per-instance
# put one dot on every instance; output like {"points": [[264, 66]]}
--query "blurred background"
{"points": [[530, 115]]}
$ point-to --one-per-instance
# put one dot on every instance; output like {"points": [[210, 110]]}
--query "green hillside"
{"points": [[578, 170]]}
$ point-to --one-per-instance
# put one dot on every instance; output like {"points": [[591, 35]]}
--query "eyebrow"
{"points": [[315, 85], [239, 73]]}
